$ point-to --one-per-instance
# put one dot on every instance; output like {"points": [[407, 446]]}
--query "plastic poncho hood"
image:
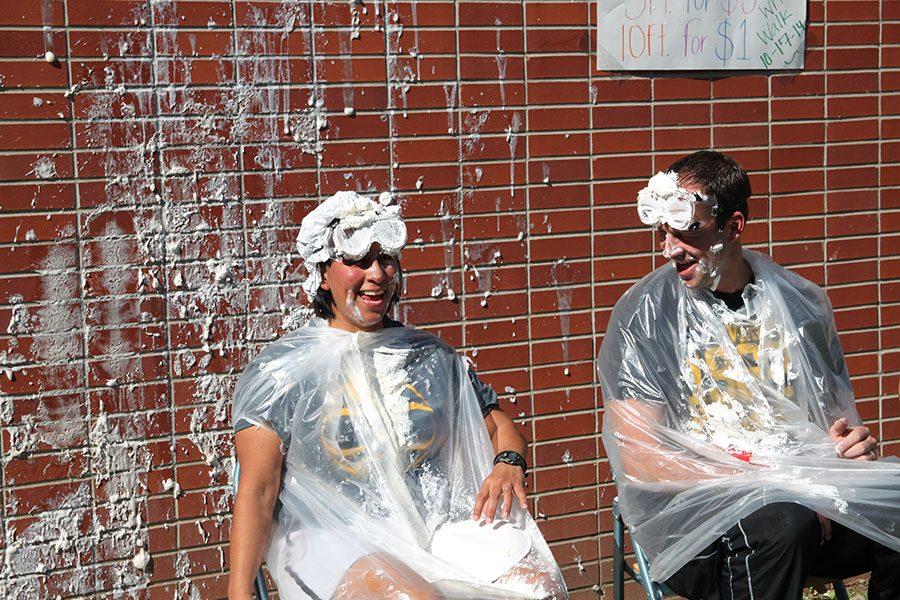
{"points": [[385, 450], [710, 414]]}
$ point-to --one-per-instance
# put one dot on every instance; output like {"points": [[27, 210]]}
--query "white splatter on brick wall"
{"points": [[157, 156]]}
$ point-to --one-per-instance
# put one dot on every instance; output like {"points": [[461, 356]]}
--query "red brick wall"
{"points": [[153, 180]]}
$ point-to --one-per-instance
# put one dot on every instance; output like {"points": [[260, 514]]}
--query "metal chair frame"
{"points": [[652, 589], [259, 584]]}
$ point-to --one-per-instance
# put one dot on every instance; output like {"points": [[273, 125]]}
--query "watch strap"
{"points": [[511, 457]]}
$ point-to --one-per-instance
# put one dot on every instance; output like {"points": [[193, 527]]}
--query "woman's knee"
{"points": [[382, 577]]}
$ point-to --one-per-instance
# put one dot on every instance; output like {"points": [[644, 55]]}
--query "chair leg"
{"points": [[260, 587], [650, 588], [840, 591], [618, 556]]}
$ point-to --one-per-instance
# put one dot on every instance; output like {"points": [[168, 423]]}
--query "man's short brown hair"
{"points": [[719, 175]]}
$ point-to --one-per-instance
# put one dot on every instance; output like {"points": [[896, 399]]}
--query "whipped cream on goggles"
{"points": [[664, 202], [344, 227], [354, 235]]}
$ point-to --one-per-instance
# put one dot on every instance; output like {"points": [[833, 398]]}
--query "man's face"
{"points": [[694, 253]]}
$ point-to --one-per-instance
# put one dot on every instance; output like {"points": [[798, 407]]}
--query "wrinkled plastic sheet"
{"points": [[384, 444], [710, 414]]}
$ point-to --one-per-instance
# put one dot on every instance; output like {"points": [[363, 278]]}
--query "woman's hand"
{"points": [[505, 480]]}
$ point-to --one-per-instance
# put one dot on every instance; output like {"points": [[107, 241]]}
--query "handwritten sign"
{"points": [[642, 35]]}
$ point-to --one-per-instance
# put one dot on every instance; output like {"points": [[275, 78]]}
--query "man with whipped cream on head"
{"points": [[742, 466]]}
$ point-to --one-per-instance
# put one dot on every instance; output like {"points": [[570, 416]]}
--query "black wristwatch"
{"points": [[511, 457]]}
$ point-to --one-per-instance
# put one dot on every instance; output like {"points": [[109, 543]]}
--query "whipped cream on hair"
{"points": [[344, 227]]}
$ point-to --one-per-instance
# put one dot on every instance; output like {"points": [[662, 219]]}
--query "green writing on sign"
{"points": [[700, 34], [782, 34]]}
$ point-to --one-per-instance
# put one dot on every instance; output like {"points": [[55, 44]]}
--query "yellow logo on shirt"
{"points": [[341, 443], [720, 374]]}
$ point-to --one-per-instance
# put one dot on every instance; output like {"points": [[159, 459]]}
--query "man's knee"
{"points": [[782, 525]]}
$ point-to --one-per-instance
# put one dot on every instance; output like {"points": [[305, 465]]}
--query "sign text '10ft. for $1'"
{"points": [[703, 34]]}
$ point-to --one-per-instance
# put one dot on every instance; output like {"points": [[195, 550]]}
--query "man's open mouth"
{"points": [[682, 266]]}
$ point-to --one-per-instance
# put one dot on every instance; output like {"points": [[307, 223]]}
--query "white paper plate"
{"points": [[484, 550]]}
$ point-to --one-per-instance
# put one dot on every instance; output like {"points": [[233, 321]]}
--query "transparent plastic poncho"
{"points": [[384, 445], [710, 414]]}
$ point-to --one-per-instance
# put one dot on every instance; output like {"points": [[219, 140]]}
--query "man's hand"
{"points": [[855, 443], [505, 480]]}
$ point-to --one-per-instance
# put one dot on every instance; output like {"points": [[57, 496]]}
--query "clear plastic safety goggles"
{"points": [[663, 201], [353, 243]]}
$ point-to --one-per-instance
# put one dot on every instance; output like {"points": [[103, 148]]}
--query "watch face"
{"points": [[511, 458]]}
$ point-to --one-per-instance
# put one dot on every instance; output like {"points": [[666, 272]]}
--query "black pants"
{"points": [[770, 554]]}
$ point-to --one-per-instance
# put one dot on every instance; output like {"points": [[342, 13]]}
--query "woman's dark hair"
{"points": [[720, 175], [323, 303]]}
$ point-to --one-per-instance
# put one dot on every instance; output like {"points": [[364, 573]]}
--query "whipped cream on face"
{"points": [[709, 266], [665, 202]]}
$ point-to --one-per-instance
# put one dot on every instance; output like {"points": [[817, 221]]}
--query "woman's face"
{"points": [[362, 289]]}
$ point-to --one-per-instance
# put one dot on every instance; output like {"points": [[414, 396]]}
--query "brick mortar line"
{"points": [[437, 190], [146, 88], [880, 251], [460, 193], [574, 438], [413, 192], [246, 251], [674, 102], [330, 27], [524, 136], [389, 101], [879, 217], [163, 214], [167, 27], [595, 290], [426, 219], [825, 161], [175, 118], [336, 168], [225, 145], [300, 55], [79, 263], [313, 84]]}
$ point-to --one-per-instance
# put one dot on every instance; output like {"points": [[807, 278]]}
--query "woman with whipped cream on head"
{"points": [[366, 446]]}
